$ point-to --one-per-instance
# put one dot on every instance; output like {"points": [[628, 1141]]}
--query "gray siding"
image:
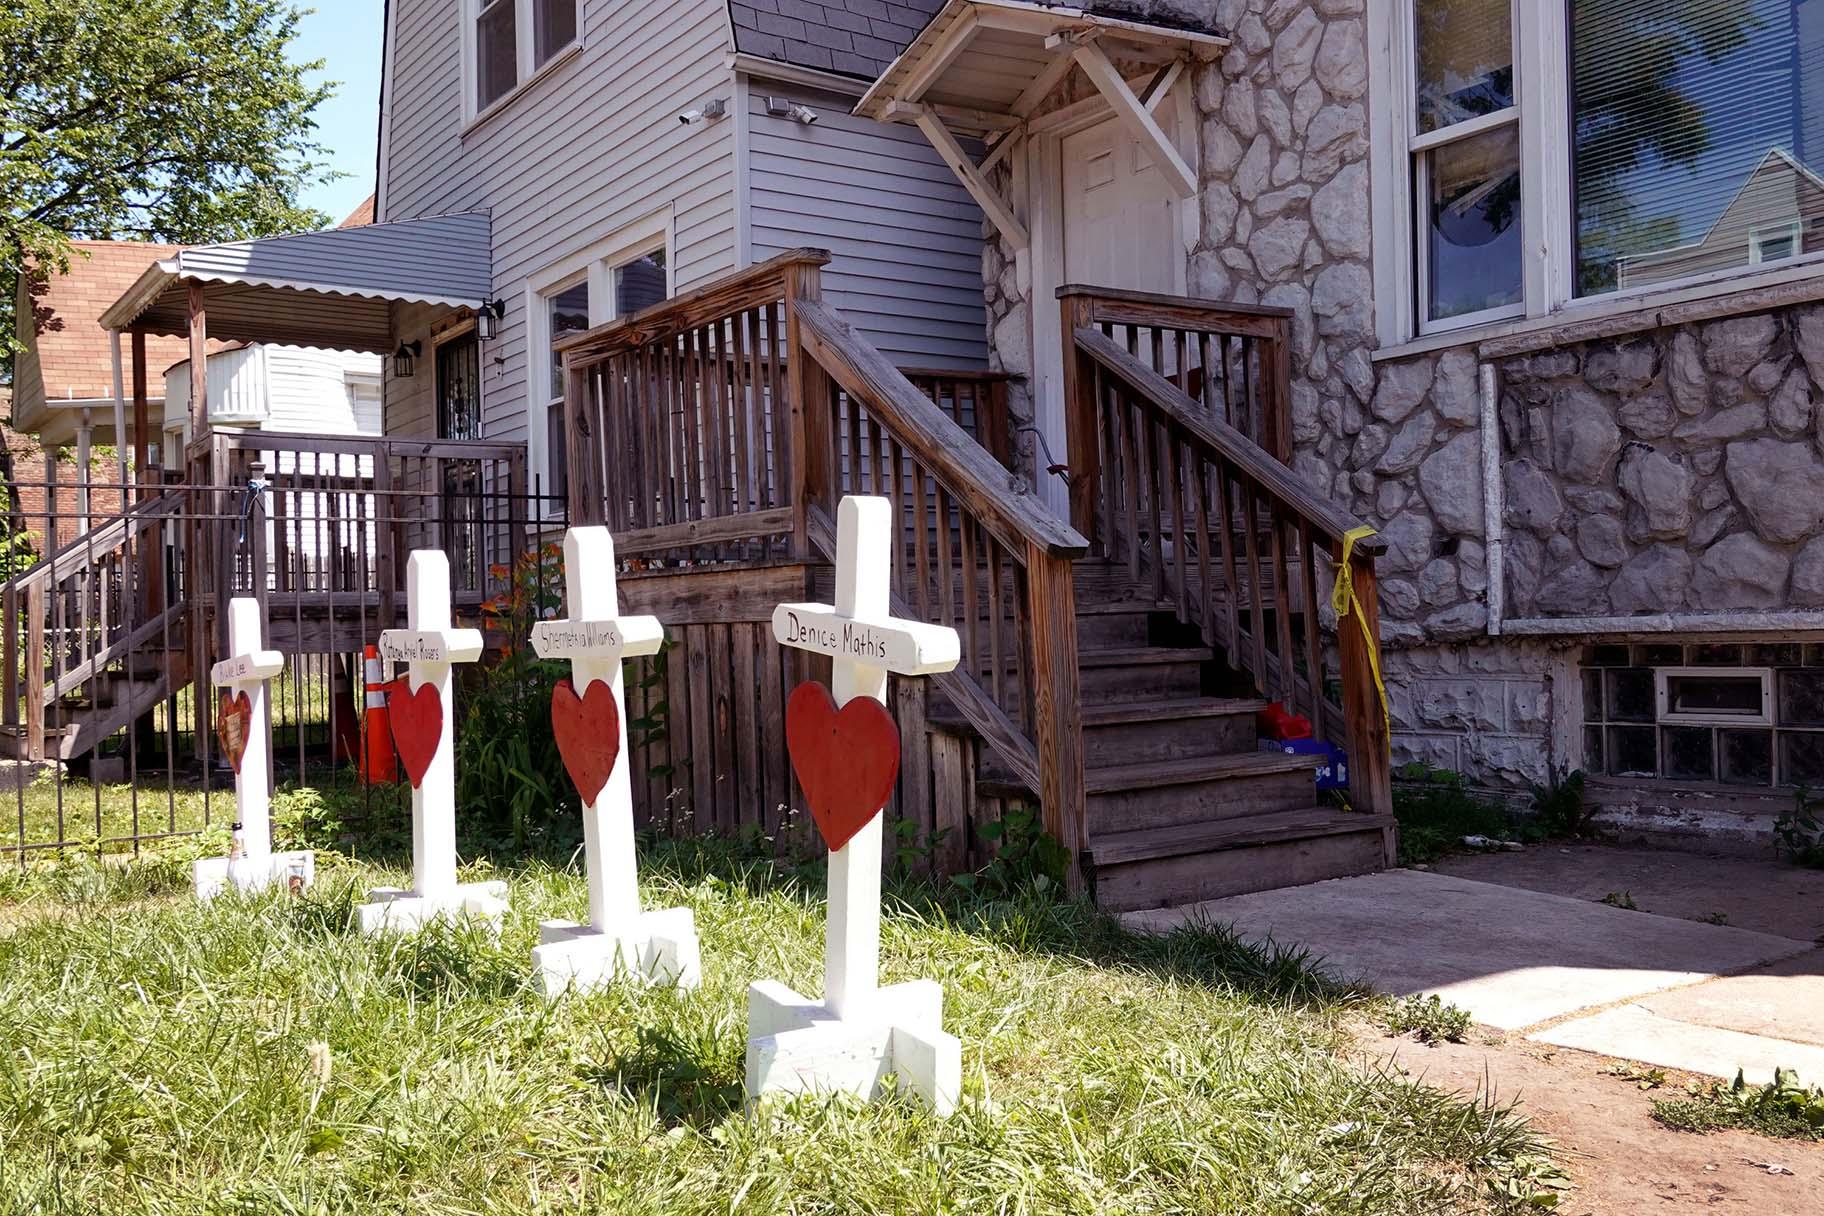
{"points": [[589, 148], [905, 236]]}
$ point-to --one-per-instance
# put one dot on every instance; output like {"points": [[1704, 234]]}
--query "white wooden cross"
{"points": [[860, 1033], [431, 647], [619, 939], [257, 866]]}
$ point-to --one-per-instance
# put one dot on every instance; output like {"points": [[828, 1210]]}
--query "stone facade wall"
{"points": [[1680, 470]]}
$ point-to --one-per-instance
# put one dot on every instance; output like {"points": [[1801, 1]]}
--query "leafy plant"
{"points": [[1798, 834], [1437, 809], [1428, 1019], [1782, 1108], [510, 781], [1560, 807], [1026, 856], [1620, 899]]}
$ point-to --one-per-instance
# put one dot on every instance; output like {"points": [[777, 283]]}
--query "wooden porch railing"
{"points": [[92, 603], [1179, 441], [724, 425]]}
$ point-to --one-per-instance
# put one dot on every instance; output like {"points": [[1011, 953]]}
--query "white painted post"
{"points": [[247, 673], [620, 938], [860, 1033], [430, 646]]}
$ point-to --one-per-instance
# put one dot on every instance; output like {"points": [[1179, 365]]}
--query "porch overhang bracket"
{"points": [[970, 175], [1136, 115]]}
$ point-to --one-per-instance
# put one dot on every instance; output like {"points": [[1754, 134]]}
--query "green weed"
{"points": [[1783, 1108]]}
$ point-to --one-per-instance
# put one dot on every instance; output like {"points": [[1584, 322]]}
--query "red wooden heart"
{"points": [[588, 730], [233, 720], [417, 719], [847, 760]]}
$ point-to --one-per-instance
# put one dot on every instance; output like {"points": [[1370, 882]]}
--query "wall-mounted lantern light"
{"points": [[405, 359], [487, 321]]}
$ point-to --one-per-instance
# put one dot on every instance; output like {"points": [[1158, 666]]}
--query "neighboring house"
{"points": [[1777, 214]]}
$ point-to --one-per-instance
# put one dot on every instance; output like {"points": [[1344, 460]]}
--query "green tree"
{"points": [[152, 120]]}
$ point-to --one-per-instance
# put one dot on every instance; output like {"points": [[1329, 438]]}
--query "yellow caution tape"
{"points": [[1342, 599]]}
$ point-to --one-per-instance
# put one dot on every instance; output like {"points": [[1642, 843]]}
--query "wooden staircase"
{"points": [[1182, 805], [1112, 666]]}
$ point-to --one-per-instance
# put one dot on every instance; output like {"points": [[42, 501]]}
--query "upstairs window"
{"points": [[1546, 154], [510, 40]]}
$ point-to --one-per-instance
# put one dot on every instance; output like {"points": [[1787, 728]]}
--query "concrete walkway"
{"points": [[1571, 972]]}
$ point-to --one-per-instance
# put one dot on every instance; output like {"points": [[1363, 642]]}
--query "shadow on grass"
{"points": [[686, 1074], [1027, 920]]}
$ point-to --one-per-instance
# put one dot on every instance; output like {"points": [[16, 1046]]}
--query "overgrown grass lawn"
{"points": [[259, 1057]]}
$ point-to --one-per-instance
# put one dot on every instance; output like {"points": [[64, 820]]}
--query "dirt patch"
{"points": [[1766, 896], [1623, 1162]]}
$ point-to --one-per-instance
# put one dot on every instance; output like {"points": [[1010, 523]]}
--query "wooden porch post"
{"points": [[142, 422], [1275, 393], [808, 387], [1371, 774], [199, 365], [1084, 450], [1058, 707], [584, 466]]}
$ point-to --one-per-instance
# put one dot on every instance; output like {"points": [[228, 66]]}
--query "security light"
{"points": [[782, 107]]}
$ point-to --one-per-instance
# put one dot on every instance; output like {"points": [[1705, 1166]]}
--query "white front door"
{"points": [[1103, 217], [1121, 219]]}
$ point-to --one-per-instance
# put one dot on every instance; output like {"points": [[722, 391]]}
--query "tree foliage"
{"points": [[153, 120]]}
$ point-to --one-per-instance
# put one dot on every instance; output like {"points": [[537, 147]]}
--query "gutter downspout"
{"points": [[1494, 505]]}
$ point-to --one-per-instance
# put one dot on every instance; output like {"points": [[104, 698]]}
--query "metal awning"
{"points": [[982, 68], [331, 289]]}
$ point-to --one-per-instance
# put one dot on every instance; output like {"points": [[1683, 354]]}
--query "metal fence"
{"points": [[113, 618]]}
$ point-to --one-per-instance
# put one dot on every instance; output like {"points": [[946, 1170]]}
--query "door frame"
{"points": [[1044, 180]]}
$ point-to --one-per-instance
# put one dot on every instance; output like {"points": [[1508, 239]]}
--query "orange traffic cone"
{"points": [[379, 764]]}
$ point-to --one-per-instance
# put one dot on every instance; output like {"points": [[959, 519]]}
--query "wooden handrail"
{"points": [[1109, 306], [99, 541], [761, 283], [1001, 573], [1219, 524], [1006, 504], [1286, 488]]}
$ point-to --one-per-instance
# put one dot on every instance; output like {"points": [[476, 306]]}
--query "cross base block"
{"points": [[392, 910], [659, 947], [214, 875], [796, 1045]]}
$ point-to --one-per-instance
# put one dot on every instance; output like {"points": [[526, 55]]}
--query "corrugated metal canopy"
{"points": [[328, 289]]}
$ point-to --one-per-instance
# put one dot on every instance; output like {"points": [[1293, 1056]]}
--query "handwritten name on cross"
{"points": [[867, 643], [590, 722], [241, 725], [424, 729], [859, 1033]]}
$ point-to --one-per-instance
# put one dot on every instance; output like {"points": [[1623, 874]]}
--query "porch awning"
{"points": [[331, 289], [982, 68]]}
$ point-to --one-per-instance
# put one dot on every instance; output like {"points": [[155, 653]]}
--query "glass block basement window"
{"points": [[1738, 713]]}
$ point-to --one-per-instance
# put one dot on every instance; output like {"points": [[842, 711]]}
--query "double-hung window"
{"points": [[602, 284], [508, 41], [1547, 155]]}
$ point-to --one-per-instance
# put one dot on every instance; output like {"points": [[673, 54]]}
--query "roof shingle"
{"points": [[861, 37]]}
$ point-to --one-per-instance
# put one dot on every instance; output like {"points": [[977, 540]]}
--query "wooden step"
{"points": [[1198, 789], [1161, 867], [1114, 625], [1134, 731], [1141, 673]]}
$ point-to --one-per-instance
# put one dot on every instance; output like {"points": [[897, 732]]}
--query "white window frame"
{"points": [[1666, 715], [1541, 38], [528, 67], [1792, 230], [596, 263]]}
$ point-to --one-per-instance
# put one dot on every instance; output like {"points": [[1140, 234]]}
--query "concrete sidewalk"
{"points": [[1564, 971]]}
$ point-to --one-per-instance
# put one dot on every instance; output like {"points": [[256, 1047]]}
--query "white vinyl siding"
{"points": [[590, 147], [905, 236]]}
